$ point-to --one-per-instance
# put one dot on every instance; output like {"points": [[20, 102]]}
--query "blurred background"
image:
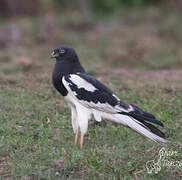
{"points": [[121, 33], [133, 46]]}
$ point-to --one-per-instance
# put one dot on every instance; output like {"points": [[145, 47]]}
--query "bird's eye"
{"points": [[62, 51]]}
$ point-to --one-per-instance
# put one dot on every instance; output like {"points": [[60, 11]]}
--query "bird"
{"points": [[87, 97]]}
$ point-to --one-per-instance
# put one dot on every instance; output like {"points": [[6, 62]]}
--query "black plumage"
{"points": [[84, 93], [64, 66], [140, 115], [102, 94]]}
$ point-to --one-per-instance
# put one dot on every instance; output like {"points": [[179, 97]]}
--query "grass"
{"points": [[40, 143], [36, 137]]}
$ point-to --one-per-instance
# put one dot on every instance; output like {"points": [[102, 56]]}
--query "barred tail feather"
{"points": [[147, 131], [144, 128]]}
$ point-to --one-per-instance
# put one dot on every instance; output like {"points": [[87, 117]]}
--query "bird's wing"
{"points": [[93, 94]]}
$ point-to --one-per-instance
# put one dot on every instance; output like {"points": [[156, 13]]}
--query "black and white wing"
{"points": [[93, 94]]}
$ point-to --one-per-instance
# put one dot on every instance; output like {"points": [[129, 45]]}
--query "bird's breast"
{"points": [[58, 84]]}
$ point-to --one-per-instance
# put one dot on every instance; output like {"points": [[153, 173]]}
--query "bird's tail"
{"points": [[142, 127]]}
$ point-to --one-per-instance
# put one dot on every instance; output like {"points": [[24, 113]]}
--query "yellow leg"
{"points": [[76, 136], [81, 142]]}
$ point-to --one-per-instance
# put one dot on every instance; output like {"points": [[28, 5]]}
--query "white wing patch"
{"points": [[103, 107], [81, 83], [116, 97]]}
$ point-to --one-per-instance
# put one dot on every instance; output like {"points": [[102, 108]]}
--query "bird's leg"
{"points": [[81, 141], [76, 135]]}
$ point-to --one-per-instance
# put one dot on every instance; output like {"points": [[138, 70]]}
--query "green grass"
{"points": [[36, 136]]}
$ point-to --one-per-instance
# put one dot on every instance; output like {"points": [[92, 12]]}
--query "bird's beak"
{"points": [[54, 55]]}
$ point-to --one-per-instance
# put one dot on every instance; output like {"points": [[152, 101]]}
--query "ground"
{"points": [[137, 54]]}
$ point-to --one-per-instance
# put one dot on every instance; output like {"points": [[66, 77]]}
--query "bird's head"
{"points": [[64, 53]]}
